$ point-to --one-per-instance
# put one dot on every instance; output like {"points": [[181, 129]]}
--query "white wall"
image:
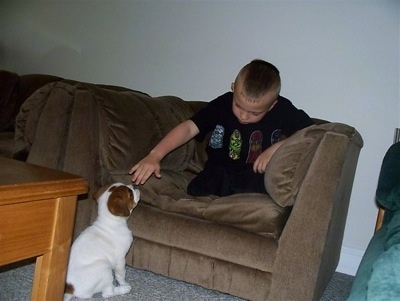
{"points": [[339, 60]]}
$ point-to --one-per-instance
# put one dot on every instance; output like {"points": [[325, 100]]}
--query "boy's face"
{"points": [[249, 110]]}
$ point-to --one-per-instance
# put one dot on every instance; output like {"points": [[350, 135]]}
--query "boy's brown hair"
{"points": [[259, 77]]}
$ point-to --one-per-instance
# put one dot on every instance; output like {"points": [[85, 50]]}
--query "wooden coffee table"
{"points": [[37, 212]]}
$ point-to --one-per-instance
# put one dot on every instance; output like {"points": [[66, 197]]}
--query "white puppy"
{"points": [[100, 250]]}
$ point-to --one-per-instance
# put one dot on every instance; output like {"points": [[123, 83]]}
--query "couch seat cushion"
{"points": [[252, 212]]}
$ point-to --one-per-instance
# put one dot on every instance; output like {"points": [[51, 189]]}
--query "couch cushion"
{"points": [[132, 123], [121, 112], [289, 164], [252, 212], [31, 112]]}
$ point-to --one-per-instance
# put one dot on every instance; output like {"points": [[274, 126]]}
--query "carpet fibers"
{"points": [[16, 283]]}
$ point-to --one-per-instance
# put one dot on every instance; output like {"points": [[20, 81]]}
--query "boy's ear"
{"points": [[273, 105], [233, 86]]}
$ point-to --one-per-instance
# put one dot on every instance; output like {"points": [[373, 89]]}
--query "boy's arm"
{"points": [[150, 164]]}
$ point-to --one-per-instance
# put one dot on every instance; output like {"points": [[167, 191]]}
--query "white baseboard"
{"points": [[350, 259]]}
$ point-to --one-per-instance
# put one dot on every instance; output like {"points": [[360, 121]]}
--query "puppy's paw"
{"points": [[123, 289]]}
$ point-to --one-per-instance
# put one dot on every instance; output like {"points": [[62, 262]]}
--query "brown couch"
{"points": [[281, 246]]}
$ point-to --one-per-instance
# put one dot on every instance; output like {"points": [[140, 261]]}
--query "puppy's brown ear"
{"points": [[99, 192], [118, 207], [120, 201]]}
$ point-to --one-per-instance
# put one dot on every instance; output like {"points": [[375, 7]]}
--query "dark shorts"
{"points": [[218, 180]]}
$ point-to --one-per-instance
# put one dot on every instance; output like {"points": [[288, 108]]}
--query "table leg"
{"points": [[51, 267]]}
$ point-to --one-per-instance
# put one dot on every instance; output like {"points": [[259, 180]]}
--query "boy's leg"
{"points": [[245, 181], [213, 179]]}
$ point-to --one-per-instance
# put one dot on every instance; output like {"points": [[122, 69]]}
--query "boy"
{"points": [[248, 125]]}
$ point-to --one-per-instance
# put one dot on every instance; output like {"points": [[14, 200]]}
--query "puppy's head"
{"points": [[118, 198]]}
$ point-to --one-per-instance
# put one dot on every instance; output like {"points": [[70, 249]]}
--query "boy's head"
{"points": [[255, 91], [258, 78]]}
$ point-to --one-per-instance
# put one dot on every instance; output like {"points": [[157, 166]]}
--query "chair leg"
{"points": [[379, 218]]}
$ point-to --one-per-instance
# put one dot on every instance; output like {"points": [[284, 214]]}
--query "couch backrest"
{"points": [[128, 123], [96, 131]]}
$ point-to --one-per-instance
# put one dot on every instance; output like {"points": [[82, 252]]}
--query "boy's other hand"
{"points": [[260, 165]]}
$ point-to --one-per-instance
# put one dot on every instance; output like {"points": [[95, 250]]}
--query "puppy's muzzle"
{"points": [[136, 192]]}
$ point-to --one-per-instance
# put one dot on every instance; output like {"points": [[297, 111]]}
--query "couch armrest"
{"points": [[311, 240], [14, 90]]}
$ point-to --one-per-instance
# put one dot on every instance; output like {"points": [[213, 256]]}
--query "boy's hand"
{"points": [[260, 165], [144, 169]]}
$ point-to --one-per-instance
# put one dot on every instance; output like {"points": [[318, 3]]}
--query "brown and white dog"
{"points": [[100, 250]]}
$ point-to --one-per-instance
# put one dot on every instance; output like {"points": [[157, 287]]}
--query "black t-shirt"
{"points": [[237, 145]]}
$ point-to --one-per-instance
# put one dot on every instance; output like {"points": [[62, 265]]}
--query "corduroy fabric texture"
{"points": [[289, 164]]}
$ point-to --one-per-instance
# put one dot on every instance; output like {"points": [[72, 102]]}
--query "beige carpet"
{"points": [[16, 283]]}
